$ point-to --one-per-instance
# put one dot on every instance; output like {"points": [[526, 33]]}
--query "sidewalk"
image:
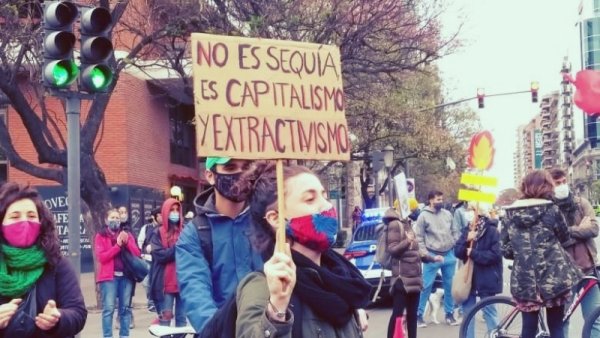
{"points": [[93, 325]]}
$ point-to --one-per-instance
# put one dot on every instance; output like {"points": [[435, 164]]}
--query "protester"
{"points": [[109, 242], [543, 273], [437, 234], [144, 238], [356, 218], [407, 274], [32, 264], [481, 244], [310, 290], [164, 286], [126, 226], [209, 270], [583, 228]]}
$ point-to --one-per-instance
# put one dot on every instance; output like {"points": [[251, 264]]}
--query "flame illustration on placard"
{"points": [[481, 151]]}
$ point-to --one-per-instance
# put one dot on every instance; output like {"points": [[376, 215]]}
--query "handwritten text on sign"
{"points": [[260, 99]]}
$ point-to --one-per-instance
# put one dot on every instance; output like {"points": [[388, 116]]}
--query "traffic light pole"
{"points": [[469, 99], [73, 180]]}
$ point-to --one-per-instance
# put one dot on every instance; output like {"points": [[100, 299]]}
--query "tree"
{"points": [[380, 40]]}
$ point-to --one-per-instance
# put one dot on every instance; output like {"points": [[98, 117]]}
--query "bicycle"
{"points": [[509, 317], [171, 332]]}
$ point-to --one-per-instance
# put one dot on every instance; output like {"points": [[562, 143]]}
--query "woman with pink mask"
{"points": [[311, 290], [39, 291]]}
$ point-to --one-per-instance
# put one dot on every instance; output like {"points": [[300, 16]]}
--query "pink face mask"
{"points": [[21, 234]]}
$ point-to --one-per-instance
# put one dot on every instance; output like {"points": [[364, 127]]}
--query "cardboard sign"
{"points": [[403, 195], [268, 99]]}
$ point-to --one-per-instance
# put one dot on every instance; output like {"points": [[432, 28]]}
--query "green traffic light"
{"points": [[61, 73], [96, 78]]}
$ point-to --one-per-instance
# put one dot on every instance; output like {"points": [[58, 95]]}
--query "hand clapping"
{"points": [[49, 318], [7, 310]]}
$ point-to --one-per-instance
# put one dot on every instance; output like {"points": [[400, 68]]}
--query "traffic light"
{"points": [[96, 50], [480, 96], [59, 69], [535, 86]]}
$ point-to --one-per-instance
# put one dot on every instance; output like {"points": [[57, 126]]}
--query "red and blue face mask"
{"points": [[317, 232]]}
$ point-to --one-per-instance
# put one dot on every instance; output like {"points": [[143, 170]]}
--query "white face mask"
{"points": [[561, 191]]}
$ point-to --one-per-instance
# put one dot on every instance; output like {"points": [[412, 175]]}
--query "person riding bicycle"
{"points": [[543, 272]]}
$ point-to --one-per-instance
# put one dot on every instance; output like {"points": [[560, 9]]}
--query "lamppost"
{"points": [[176, 192], [388, 160]]}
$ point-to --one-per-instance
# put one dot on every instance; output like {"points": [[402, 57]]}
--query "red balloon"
{"points": [[587, 95]]}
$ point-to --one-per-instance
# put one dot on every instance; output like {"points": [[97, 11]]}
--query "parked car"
{"points": [[361, 253]]}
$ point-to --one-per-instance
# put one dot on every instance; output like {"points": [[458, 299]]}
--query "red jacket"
{"points": [[106, 252]]}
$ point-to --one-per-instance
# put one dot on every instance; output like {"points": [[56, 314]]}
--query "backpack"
{"points": [[204, 230], [382, 255]]}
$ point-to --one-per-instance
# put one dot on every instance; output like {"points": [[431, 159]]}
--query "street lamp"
{"points": [[388, 161], [176, 192]]}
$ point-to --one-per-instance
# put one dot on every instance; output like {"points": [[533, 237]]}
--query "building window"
{"points": [[183, 135]]}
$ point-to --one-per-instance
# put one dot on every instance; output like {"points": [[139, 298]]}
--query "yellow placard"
{"points": [[476, 196], [268, 99], [472, 179]]}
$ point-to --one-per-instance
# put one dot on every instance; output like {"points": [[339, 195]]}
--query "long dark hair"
{"points": [[260, 185], [537, 184], [11, 192]]}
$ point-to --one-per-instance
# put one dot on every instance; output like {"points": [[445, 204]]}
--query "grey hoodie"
{"points": [[436, 232]]}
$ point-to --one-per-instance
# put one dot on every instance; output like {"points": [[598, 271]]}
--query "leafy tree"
{"points": [[381, 41]]}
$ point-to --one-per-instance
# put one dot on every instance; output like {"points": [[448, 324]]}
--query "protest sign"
{"points": [[268, 99]]}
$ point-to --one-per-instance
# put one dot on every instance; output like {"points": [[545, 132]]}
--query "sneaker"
{"points": [[421, 322], [450, 320], [155, 321], [152, 308]]}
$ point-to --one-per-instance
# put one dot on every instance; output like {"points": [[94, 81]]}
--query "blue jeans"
{"points": [[146, 285], [490, 314], [119, 287], [588, 304], [166, 310], [429, 271]]}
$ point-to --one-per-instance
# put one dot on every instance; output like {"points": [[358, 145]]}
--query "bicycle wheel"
{"points": [[507, 323], [590, 319]]}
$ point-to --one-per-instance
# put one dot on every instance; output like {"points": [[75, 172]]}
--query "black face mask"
{"points": [[438, 206], [224, 185]]}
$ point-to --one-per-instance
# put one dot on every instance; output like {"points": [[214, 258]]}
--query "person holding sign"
{"points": [[308, 290], [213, 252], [480, 242]]}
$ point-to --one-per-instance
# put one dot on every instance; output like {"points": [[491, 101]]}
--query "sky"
{"points": [[506, 45]]}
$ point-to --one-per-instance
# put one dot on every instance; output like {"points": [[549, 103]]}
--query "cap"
{"points": [[189, 214], [212, 161]]}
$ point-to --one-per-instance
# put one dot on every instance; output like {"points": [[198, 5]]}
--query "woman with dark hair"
{"points": [[31, 265], [109, 242], [310, 290], [543, 273], [165, 290]]}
